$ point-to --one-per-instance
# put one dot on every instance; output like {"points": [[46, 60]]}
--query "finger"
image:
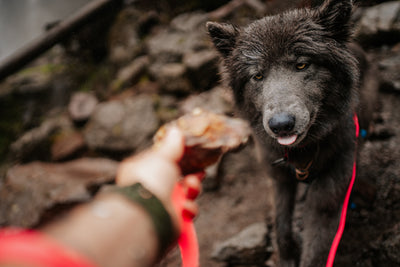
{"points": [[192, 186], [190, 210], [192, 193], [172, 146], [200, 175]]}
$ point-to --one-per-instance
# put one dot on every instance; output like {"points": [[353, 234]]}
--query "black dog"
{"points": [[297, 80]]}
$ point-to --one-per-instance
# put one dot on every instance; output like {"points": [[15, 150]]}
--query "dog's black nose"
{"points": [[282, 123]]}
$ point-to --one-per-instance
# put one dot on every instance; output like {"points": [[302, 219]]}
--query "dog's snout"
{"points": [[282, 123]]}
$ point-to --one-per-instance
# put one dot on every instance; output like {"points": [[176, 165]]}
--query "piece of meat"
{"points": [[207, 137]]}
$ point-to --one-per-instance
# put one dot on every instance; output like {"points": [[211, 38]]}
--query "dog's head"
{"points": [[292, 74]]}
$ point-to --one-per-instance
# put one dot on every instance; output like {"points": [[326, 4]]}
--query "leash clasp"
{"points": [[302, 174]]}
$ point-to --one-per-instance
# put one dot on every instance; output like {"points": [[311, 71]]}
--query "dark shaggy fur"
{"points": [[296, 79]]}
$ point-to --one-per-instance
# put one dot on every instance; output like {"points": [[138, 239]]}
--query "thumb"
{"points": [[172, 146]]}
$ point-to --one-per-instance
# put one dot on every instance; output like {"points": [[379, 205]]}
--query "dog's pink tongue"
{"points": [[287, 140]]}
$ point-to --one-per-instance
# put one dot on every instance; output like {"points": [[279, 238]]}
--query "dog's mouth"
{"points": [[287, 140], [288, 130]]}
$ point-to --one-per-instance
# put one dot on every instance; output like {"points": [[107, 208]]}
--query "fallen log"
{"points": [[55, 35]]}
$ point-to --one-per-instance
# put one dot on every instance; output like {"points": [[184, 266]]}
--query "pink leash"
{"points": [[339, 233], [187, 241]]}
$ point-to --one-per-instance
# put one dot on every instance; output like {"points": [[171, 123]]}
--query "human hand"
{"points": [[158, 171]]}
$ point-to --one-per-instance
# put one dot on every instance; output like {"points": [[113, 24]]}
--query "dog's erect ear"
{"points": [[223, 36], [334, 16]]}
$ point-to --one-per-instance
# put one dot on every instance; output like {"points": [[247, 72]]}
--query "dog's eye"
{"points": [[258, 77], [301, 66]]}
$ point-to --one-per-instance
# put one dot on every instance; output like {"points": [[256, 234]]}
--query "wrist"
{"points": [[156, 210], [111, 230]]}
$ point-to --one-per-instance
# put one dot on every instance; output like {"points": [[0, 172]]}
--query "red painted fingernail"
{"points": [[186, 214], [192, 193]]}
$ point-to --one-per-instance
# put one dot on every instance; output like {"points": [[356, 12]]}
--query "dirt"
{"points": [[243, 198]]}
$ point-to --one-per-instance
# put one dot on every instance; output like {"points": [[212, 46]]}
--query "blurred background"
{"points": [[23, 20], [115, 71]]}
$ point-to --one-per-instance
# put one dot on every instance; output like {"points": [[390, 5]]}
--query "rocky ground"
{"points": [[68, 118]]}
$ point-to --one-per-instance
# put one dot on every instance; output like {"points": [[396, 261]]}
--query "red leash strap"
{"points": [[187, 241], [342, 222], [36, 249], [188, 245]]}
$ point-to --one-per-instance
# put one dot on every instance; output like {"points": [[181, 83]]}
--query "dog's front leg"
{"points": [[321, 217], [285, 192]]}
